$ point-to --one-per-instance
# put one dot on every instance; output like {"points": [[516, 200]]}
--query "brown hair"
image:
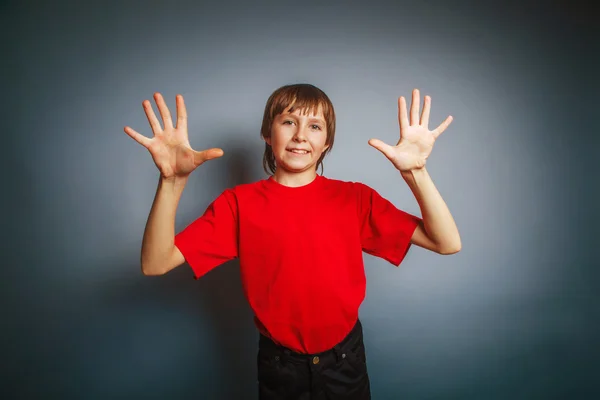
{"points": [[305, 97]]}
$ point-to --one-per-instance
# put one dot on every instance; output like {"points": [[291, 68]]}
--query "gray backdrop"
{"points": [[514, 315]]}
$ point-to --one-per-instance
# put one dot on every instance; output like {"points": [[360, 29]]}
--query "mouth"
{"points": [[298, 152]]}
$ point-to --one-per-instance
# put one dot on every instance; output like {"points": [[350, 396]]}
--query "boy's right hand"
{"points": [[170, 147]]}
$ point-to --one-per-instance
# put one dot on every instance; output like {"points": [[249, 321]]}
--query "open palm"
{"points": [[416, 140], [170, 147]]}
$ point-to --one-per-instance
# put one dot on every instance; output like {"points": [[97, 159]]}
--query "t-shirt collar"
{"points": [[272, 185]]}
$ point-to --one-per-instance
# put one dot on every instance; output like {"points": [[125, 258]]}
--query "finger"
{"points": [[384, 148], [438, 131], [402, 114], [205, 155], [164, 111], [181, 113], [414, 108], [154, 124], [141, 139], [425, 114]]}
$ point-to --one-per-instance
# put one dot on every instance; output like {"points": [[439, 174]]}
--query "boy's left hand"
{"points": [[416, 140]]}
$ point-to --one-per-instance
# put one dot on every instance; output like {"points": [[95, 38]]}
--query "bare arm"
{"points": [[175, 159], [438, 231], [159, 254]]}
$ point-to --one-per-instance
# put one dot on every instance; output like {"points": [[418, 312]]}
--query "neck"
{"points": [[294, 179]]}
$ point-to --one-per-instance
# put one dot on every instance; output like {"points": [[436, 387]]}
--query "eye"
{"points": [[285, 122], [316, 127]]}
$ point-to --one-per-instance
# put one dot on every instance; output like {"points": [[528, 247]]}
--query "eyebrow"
{"points": [[317, 120], [313, 119]]}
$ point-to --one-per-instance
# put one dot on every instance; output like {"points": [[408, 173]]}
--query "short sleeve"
{"points": [[385, 231], [212, 239]]}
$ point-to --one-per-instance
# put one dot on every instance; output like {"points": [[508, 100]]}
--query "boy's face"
{"points": [[292, 132]]}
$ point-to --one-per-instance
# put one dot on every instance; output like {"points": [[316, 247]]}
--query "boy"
{"points": [[299, 236]]}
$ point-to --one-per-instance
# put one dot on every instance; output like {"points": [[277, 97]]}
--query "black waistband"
{"points": [[269, 347]]}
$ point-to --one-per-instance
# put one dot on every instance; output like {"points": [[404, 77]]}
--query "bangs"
{"points": [[305, 98]]}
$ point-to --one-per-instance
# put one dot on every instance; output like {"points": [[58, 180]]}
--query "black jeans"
{"points": [[338, 373]]}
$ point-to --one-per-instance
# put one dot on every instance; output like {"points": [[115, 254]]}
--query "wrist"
{"points": [[175, 182], [412, 173]]}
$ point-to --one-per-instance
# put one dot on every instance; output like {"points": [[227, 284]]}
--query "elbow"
{"points": [[448, 250], [151, 271]]}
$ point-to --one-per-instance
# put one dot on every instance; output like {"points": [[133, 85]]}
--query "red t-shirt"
{"points": [[300, 251]]}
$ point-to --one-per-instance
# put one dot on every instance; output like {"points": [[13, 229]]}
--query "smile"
{"points": [[300, 152]]}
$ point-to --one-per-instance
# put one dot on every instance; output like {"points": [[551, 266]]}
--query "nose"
{"points": [[300, 134]]}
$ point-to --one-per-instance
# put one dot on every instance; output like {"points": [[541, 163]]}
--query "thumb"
{"points": [[205, 155], [386, 149]]}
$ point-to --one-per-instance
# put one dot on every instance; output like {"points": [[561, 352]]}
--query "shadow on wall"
{"points": [[173, 336]]}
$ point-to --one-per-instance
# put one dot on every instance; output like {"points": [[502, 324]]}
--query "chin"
{"points": [[297, 167]]}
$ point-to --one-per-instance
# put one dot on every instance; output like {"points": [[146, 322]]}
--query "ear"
{"points": [[268, 140]]}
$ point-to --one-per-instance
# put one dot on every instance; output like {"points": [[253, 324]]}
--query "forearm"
{"points": [[159, 235], [437, 219]]}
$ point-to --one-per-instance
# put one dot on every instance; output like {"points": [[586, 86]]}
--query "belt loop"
{"points": [[284, 355], [338, 352]]}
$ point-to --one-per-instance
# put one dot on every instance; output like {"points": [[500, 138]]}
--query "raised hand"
{"points": [[416, 140], [170, 147]]}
